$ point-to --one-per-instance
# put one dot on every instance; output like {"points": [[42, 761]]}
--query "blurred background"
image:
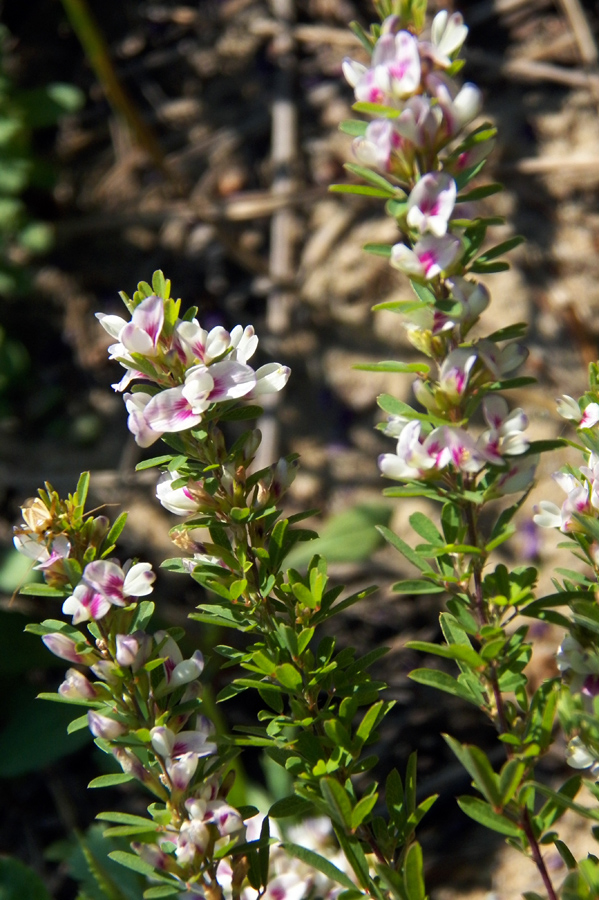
{"points": [[200, 139]]}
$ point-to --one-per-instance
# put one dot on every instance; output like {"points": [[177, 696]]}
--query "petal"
{"points": [[231, 380], [269, 379], [139, 580], [107, 578], [149, 317], [171, 411], [112, 324]]}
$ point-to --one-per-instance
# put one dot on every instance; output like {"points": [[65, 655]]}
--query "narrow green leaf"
{"points": [[375, 179], [378, 249], [413, 874], [405, 549], [355, 127], [391, 365], [319, 863], [462, 652], [127, 819], [443, 682], [82, 489], [362, 189], [500, 249], [110, 780], [338, 801], [482, 813], [417, 586], [290, 806], [154, 893], [479, 768]]}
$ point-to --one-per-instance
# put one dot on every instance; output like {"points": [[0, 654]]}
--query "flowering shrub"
{"points": [[321, 708]]}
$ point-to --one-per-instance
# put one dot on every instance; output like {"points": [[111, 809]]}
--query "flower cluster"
{"points": [[189, 368], [426, 110]]}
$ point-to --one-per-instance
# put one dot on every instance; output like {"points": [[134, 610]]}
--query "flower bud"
{"points": [[77, 687], [63, 646], [106, 671], [133, 649], [105, 727]]}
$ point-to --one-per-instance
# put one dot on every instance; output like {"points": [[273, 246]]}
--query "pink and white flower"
{"points": [[448, 33], [411, 460], [519, 476], [431, 203], [459, 105], [180, 408], [501, 361], [455, 372], [171, 745], [394, 73], [504, 437], [205, 346], [376, 147], [141, 334], [137, 422], [419, 122], [105, 584], [179, 501], [431, 256], [569, 408]]}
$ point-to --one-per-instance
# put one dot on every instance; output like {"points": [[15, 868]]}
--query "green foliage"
{"points": [[17, 881]]}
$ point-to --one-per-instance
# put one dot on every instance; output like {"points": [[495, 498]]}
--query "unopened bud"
{"points": [[77, 687], [104, 727]]}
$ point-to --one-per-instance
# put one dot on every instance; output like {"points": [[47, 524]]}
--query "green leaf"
{"points": [[406, 551], [362, 189], [489, 268], [319, 863], [19, 882], [462, 652], [443, 682], [373, 178], [82, 489], [355, 127], [110, 780], [128, 819], [482, 813], [131, 861], [289, 677], [500, 249], [155, 461], [165, 891], [378, 249], [479, 193], [115, 532], [417, 586], [338, 802], [413, 874], [479, 768], [290, 806], [391, 365], [41, 590]]}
